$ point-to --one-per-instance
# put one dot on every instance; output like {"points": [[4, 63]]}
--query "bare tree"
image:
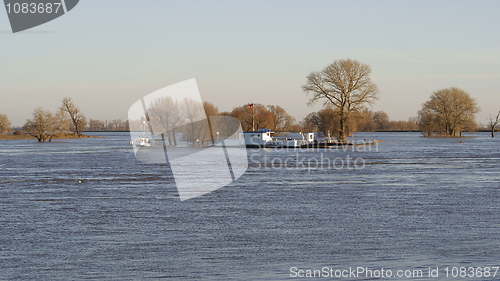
{"points": [[427, 121], [253, 114], [492, 124], [5, 124], [77, 118], [345, 85], [324, 120], [197, 130], [404, 125], [211, 110], [382, 120], [44, 125], [166, 115], [448, 111], [365, 120], [282, 121]]}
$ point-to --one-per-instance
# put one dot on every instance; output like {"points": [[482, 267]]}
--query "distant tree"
{"points": [[344, 85], [402, 125], [307, 124], [117, 125], [77, 118], [166, 114], [44, 125], [427, 121], [364, 120], [382, 120], [96, 125], [253, 114], [448, 111], [325, 120], [5, 124], [282, 121], [492, 124], [197, 130], [113, 125], [211, 110], [296, 128], [413, 123]]}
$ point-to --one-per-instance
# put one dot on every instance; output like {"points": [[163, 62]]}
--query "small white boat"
{"points": [[142, 142]]}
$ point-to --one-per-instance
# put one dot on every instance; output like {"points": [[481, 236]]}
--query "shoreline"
{"points": [[28, 137]]}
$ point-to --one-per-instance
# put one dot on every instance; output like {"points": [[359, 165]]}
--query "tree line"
{"points": [[67, 121], [344, 87]]}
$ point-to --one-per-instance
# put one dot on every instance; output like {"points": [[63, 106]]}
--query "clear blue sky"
{"points": [[108, 54]]}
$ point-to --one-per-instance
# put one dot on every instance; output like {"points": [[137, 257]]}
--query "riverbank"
{"points": [[59, 137]]}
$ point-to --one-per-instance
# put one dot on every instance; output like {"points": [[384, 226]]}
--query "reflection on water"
{"points": [[87, 209]]}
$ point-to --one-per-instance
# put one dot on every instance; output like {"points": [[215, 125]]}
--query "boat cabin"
{"points": [[256, 139]]}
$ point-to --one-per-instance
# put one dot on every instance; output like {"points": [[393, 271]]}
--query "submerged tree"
{"points": [[211, 110], [344, 85], [492, 124], [197, 130], [166, 115], [5, 124], [281, 120], [78, 120], [448, 112], [44, 125]]}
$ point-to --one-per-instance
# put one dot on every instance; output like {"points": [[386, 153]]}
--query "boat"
{"points": [[142, 142], [263, 139]]}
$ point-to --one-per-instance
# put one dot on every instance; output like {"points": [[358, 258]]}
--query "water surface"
{"points": [[87, 209]]}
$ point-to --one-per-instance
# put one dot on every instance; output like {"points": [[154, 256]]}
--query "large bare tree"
{"points": [[344, 85], [282, 121], [448, 112], [166, 115], [492, 124], [77, 118], [44, 125], [196, 131], [5, 124]]}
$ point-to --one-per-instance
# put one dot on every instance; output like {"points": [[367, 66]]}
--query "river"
{"points": [[88, 209]]}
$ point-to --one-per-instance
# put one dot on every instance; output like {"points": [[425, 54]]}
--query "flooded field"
{"points": [[87, 209]]}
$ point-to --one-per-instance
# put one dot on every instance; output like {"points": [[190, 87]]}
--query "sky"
{"points": [[108, 54]]}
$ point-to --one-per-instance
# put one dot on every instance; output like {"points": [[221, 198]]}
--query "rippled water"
{"points": [[87, 209]]}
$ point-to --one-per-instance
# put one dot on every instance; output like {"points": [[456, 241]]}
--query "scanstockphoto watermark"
{"points": [[358, 272], [298, 161], [364, 146], [26, 14], [310, 159], [362, 272]]}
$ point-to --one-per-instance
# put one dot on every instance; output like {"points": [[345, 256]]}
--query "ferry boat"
{"points": [[263, 139]]}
